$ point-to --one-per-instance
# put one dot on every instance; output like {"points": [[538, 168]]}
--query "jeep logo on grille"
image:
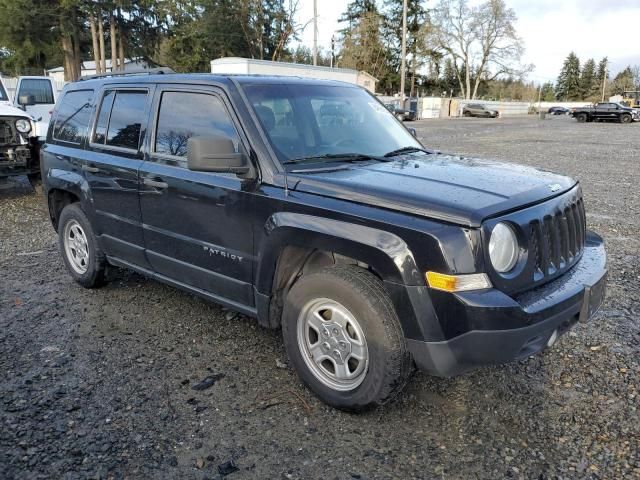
{"points": [[554, 187]]}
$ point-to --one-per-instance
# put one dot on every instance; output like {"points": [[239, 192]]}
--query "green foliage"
{"points": [[568, 85], [589, 87], [547, 93]]}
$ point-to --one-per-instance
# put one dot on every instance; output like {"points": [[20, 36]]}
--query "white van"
{"points": [[37, 96]]}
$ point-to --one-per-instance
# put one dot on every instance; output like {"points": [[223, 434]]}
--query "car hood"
{"points": [[455, 189], [8, 110]]}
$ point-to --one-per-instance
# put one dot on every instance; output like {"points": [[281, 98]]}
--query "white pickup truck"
{"points": [[23, 125]]}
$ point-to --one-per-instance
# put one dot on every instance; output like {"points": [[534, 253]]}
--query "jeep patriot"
{"points": [[307, 205]]}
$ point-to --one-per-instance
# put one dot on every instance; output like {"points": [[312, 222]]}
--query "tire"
{"points": [[626, 118], [582, 117], [353, 296], [466, 114], [87, 265], [36, 182]]}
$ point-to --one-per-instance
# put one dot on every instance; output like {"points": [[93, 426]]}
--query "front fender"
{"points": [[385, 252]]}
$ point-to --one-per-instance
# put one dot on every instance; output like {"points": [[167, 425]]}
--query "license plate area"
{"points": [[593, 299]]}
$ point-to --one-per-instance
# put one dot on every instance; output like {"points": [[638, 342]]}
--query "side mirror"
{"points": [[216, 153], [26, 100], [413, 131]]}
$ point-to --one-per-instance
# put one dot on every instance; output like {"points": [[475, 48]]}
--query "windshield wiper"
{"points": [[335, 157], [402, 150]]}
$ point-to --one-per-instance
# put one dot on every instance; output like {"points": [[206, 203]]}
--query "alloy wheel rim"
{"points": [[76, 247], [332, 344]]}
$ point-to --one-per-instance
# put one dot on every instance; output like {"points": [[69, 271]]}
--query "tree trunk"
{"points": [[467, 92], [70, 68], [121, 40], [103, 56], [94, 41], [114, 50], [121, 48], [75, 39]]}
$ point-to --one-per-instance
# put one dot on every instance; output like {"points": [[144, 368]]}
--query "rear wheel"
{"points": [[625, 118], [80, 251], [582, 117], [344, 339]]}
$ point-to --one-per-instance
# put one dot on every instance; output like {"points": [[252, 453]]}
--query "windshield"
{"points": [[3, 93], [305, 121]]}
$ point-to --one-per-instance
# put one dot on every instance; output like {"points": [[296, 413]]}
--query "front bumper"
{"points": [[539, 316]]}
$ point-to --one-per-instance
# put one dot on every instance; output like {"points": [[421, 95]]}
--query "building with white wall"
{"points": [[89, 68], [247, 66]]}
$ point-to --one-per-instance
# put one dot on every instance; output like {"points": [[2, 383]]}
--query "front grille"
{"points": [[557, 239], [552, 234], [8, 134]]}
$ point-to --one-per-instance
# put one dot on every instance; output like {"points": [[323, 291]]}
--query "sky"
{"points": [[550, 30]]}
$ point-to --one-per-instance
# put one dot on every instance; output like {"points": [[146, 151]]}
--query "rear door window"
{"points": [[39, 88], [120, 119], [72, 119]]}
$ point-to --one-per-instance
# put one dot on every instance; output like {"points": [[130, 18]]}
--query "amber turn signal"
{"points": [[457, 283]]}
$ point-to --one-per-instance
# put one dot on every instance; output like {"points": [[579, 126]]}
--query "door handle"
{"points": [[155, 183], [90, 169]]}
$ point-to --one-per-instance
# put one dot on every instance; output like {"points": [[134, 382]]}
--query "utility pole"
{"points": [[403, 64], [315, 32], [604, 82], [333, 48]]}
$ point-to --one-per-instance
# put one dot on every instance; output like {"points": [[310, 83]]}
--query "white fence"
{"points": [[436, 107], [11, 83]]}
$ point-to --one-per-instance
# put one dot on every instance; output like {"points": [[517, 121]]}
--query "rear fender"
{"points": [[68, 181]]}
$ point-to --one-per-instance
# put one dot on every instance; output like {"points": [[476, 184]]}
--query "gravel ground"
{"points": [[101, 383]]}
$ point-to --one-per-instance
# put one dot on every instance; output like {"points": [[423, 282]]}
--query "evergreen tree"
{"points": [[548, 93], [601, 74], [588, 83], [362, 43], [568, 84], [416, 17]]}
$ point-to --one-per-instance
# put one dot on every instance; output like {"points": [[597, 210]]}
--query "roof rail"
{"points": [[148, 71]]}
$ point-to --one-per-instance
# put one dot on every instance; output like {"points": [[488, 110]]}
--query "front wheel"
{"points": [[581, 117], [626, 118], [344, 339]]}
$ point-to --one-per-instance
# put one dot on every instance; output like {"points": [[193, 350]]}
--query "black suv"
{"points": [[307, 205]]}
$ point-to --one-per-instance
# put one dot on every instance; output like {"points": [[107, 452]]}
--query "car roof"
{"points": [[204, 79]]}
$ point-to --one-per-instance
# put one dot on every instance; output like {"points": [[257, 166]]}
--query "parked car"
{"points": [[401, 114], [478, 110], [605, 111], [38, 95], [559, 111], [371, 252], [19, 143]]}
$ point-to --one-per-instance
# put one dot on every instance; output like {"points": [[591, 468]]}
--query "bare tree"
{"points": [[481, 41]]}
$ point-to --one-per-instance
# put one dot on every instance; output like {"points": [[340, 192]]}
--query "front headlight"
{"points": [[23, 125], [503, 248]]}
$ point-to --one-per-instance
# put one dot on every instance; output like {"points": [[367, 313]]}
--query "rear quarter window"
{"points": [[73, 116]]}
